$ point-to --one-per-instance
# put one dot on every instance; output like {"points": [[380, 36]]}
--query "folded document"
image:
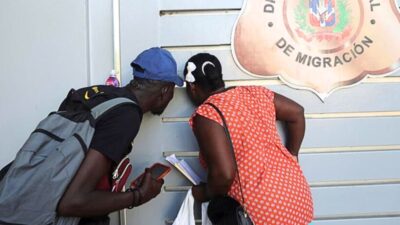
{"points": [[184, 168]]}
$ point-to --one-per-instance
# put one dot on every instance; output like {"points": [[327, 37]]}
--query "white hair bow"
{"points": [[192, 67], [189, 75]]}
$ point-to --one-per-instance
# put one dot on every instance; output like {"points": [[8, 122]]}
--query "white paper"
{"points": [[204, 217], [186, 212], [184, 168]]}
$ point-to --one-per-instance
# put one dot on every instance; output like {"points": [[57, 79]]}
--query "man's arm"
{"points": [[292, 114], [81, 199], [216, 150]]}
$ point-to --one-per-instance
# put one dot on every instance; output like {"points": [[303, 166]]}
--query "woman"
{"points": [[274, 187]]}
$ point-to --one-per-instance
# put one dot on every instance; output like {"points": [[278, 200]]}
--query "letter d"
{"points": [[281, 43]]}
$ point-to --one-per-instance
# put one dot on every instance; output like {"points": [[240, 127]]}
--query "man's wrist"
{"points": [[140, 196], [136, 197]]}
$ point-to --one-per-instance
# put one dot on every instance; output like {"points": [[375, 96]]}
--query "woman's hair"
{"points": [[204, 70]]}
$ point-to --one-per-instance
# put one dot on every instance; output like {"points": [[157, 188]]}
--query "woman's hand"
{"points": [[199, 192], [293, 115]]}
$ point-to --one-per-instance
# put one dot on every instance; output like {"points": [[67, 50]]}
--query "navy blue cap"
{"points": [[156, 64]]}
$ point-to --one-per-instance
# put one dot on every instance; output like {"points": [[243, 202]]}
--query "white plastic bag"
{"points": [[186, 212], [204, 216]]}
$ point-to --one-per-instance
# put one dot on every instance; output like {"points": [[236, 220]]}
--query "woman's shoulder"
{"points": [[258, 92], [207, 111], [255, 88]]}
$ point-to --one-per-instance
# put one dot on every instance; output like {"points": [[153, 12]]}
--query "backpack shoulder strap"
{"points": [[108, 105]]}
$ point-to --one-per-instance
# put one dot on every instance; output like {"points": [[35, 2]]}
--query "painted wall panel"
{"points": [[192, 29], [188, 29], [319, 133], [184, 28], [379, 221], [139, 31], [43, 54], [204, 4], [230, 70], [338, 202], [334, 168], [100, 40], [352, 132], [200, 4], [351, 166], [146, 151], [355, 99], [357, 199], [71, 41], [100, 32]]}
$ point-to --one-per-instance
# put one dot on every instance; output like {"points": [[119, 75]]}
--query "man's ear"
{"points": [[164, 91]]}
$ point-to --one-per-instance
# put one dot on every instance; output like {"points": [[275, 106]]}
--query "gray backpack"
{"points": [[46, 164]]}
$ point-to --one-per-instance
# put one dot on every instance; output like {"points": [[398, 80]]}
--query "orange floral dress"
{"points": [[275, 189]]}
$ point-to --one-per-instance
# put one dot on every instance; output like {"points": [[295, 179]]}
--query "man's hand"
{"points": [[149, 187]]}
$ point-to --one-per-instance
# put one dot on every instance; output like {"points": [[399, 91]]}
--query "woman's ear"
{"points": [[192, 87]]}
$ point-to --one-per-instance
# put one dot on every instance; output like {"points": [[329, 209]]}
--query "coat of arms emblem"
{"points": [[320, 45], [322, 13]]}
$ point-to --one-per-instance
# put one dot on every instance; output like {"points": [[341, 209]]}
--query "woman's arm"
{"points": [[292, 114], [217, 153]]}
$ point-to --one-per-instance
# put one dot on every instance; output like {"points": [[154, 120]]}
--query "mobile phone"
{"points": [[157, 171]]}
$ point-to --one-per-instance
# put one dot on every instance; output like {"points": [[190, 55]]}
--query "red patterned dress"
{"points": [[275, 189]]}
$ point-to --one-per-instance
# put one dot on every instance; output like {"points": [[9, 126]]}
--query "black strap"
{"points": [[231, 145]]}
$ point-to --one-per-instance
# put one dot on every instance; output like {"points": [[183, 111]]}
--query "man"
{"points": [[155, 76]]}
